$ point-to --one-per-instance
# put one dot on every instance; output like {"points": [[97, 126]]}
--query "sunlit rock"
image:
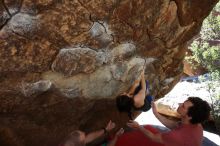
{"points": [[34, 89]]}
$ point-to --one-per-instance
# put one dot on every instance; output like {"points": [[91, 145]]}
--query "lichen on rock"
{"points": [[34, 89]]}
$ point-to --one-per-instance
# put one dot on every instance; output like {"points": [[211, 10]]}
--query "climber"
{"points": [[187, 132], [79, 138], [137, 98]]}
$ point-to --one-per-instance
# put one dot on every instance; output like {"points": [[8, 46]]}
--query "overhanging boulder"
{"points": [[62, 63]]}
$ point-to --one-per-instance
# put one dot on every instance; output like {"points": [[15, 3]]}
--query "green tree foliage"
{"points": [[206, 48], [206, 56], [206, 52], [211, 25]]}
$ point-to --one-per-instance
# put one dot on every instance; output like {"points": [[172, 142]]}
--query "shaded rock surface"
{"points": [[62, 63]]}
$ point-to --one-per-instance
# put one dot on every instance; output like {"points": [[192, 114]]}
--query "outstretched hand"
{"points": [[110, 126], [133, 124], [137, 82], [154, 108], [119, 132]]}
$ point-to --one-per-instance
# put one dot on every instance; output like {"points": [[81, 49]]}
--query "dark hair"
{"points": [[125, 104], [73, 139], [200, 110]]}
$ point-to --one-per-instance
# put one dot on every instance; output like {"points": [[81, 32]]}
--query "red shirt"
{"points": [[184, 135], [137, 138]]}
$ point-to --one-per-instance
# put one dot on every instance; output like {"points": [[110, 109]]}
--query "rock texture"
{"points": [[191, 70], [62, 63]]}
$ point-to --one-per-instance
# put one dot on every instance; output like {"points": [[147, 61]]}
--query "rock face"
{"points": [[191, 70], [62, 63]]}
